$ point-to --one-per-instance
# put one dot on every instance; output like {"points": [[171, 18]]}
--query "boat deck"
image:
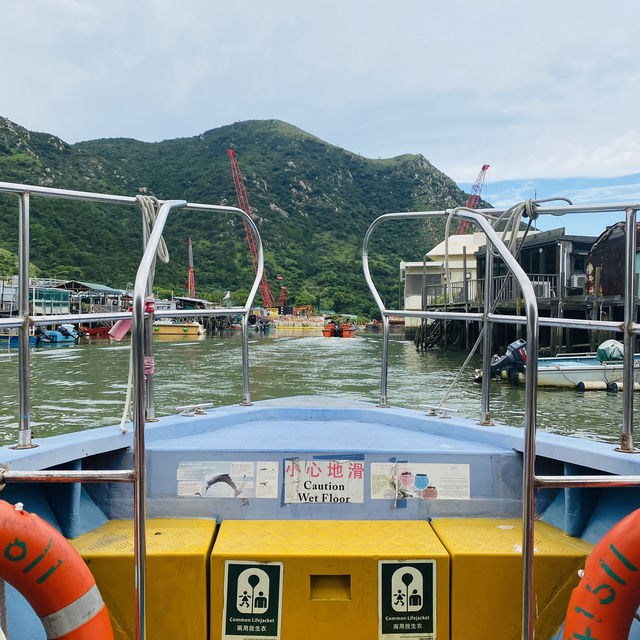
{"points": [[250, 467], [311, 432]]}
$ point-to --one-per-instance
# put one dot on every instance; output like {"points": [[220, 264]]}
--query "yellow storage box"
{"points": [[486, 576], [321, 580], [177, 575]]}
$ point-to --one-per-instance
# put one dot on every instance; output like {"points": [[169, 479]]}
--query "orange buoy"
{"points": [[603, 604], [40, 563]]}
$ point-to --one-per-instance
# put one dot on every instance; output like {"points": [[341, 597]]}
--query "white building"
{"points": [[442, 284]]}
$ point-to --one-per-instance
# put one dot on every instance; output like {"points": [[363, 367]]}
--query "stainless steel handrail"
{"points": [[67, 476], [136, 476], [565, 482], [629, 314], [77, 318], [521, 277], [629, 328], [531, 375], [139, 456], [23, 322], [568, 323], [543, 321]]}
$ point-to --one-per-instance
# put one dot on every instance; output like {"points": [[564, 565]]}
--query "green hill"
{"points": [[312, 202]]}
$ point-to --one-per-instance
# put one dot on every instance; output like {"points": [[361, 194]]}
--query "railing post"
{"points": [[149, 408], [465, 295], [385, 361], [528, 465], [246, 395], [465, 286], [593, 336], [486, 337], [150, 411], [630, 297], [24, 433]]}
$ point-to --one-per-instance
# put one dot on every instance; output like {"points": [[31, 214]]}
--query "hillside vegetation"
{"points": [[312, 203]]}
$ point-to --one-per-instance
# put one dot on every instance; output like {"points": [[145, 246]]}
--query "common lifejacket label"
{"points": [[407, 599], [323, 481], [252, 600]]}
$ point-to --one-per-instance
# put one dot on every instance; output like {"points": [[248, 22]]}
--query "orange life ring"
{"points": [[603, 604], [40, 563]]}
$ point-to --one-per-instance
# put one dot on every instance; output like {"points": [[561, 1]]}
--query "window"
{"points": [[413, 283]]}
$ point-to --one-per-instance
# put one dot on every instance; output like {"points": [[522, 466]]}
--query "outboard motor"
{"points": [[41, 335], [513, 361], [69, 331]]}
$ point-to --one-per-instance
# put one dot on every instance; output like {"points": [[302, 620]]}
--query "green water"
{"points": [[84, 386]]}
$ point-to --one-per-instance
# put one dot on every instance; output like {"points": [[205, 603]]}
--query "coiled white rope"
{"points": [[149, 206]]}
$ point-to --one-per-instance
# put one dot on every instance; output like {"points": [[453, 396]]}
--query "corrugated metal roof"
{"points": [[102, 288], [91, 286]]}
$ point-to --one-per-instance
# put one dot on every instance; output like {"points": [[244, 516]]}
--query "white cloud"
{"points": [[535, 90]]}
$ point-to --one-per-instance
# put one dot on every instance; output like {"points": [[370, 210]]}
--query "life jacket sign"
{"points": [[252, 600], [407, 599]]}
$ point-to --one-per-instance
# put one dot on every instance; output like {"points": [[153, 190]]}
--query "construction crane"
{"points": [[284, 297], [472, 202], [190, 284], [243, 203]]}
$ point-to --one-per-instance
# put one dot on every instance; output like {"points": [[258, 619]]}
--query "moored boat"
{"points": [[168, 328], [339, 327], [65, 334], [95, 332], [602, 370], [314, 517]]}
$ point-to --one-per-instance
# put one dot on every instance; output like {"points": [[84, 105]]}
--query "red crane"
{"points": [[190, 284], [472, 202], [284, 297], [243, 203]]}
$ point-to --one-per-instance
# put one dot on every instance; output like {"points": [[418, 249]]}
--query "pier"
{"points": [[553, 340], [574, 277]]}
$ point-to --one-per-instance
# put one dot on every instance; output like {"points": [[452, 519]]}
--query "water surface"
{"points": [[84, 386]]}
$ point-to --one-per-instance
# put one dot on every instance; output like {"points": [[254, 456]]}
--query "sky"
{"points": [[544, 89], [623, 190]]}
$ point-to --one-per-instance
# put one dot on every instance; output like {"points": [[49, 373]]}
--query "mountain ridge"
{"points": [[312, 202]]}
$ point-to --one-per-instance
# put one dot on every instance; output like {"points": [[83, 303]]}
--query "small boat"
{"points": [[260, 322], [601, 370], [95, 332], [168, 328], [374, 325], [339, 328], [65, 334]]}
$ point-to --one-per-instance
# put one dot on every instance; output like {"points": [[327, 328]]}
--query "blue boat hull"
{"points": [[50, 339], [191, 473]]}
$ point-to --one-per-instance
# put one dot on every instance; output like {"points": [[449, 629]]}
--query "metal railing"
{"points": [[532, 321], [140, 346], [505, 289]]}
